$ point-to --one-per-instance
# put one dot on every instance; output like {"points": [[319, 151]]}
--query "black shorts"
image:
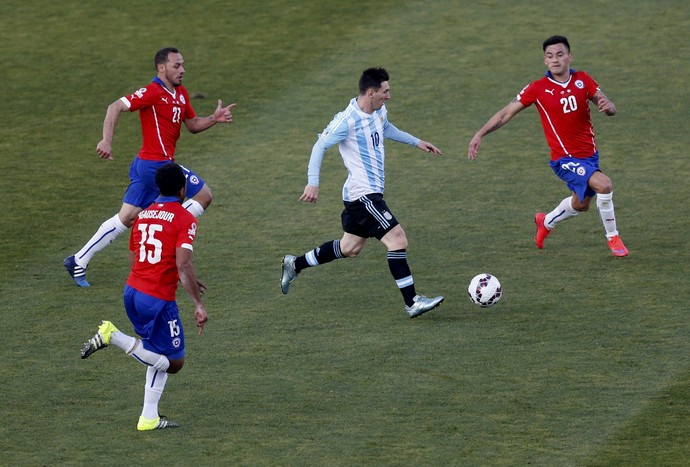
{"points": [[368, 217]]}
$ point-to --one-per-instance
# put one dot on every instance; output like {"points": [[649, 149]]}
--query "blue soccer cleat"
{"points": [[77, 272]]}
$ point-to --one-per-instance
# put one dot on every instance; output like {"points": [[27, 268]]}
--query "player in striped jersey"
{"points": [[360, 131], [562, 100], [163, 106]]}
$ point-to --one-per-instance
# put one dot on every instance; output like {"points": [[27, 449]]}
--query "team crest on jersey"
{"points": [[581, 171], [177, 342], [182, 99], [579, 84], [387, 215], [193, 179]]}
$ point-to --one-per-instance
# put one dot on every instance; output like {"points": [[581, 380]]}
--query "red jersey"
{"points": [[157, 232], [161, 113], [564, 112]]}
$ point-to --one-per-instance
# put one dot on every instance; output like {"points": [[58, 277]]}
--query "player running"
{"points": [[360, 131], [163, 106], [562, 99], [161, 245]]}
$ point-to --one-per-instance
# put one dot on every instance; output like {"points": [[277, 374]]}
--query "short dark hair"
{"points": [[162, 56], [553, 40], [372, 78], [170, 179]]}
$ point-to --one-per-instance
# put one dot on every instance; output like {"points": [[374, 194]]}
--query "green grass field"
{"points": [[585, 361]]}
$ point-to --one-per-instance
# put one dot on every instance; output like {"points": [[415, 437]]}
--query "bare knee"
{"points": [[580, 206], [175, 366], [605, 188], [204, 197], [351, 245], [128, 214], [398, 244], [127, 221], [351, 252], [395, 239], [600, 183]]}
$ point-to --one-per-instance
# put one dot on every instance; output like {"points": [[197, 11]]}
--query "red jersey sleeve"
{"points": [[141, 98], [590, 84]]}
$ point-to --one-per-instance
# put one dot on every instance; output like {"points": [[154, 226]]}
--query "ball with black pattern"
{"points": [[484, 290]]}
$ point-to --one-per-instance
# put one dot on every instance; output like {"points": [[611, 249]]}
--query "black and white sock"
{"points": [[397, 263], [323, 254]]}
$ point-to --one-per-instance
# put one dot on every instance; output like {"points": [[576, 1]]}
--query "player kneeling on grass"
{"points": [[161, 255]]}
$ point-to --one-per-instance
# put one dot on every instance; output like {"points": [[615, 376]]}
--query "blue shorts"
{"points": [[157, 322], [368, 217], [142, 189], [576, 172]]}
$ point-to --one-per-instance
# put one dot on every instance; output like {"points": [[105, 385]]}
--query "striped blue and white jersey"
{"points": [[360, 137]]}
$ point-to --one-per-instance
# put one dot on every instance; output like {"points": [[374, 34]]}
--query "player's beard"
{"points": [[176, 80]]}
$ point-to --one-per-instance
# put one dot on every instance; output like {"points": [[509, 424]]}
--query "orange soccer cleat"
{"points": [[617, 247], [542, 231]]}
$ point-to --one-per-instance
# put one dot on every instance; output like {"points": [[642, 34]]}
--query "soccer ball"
{"points": [[484, 290]]}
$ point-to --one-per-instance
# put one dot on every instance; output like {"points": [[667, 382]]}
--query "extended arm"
{"points": [[221, 115], [392, 132], [501, 117], [192, 285], [112, 115]]}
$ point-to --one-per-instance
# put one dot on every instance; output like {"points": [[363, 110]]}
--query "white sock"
{"points": [[123, 341], [104, 236], [562, 212], [608, 217], [152, 359], [153, 390], [134, 347], [194, 207]]}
